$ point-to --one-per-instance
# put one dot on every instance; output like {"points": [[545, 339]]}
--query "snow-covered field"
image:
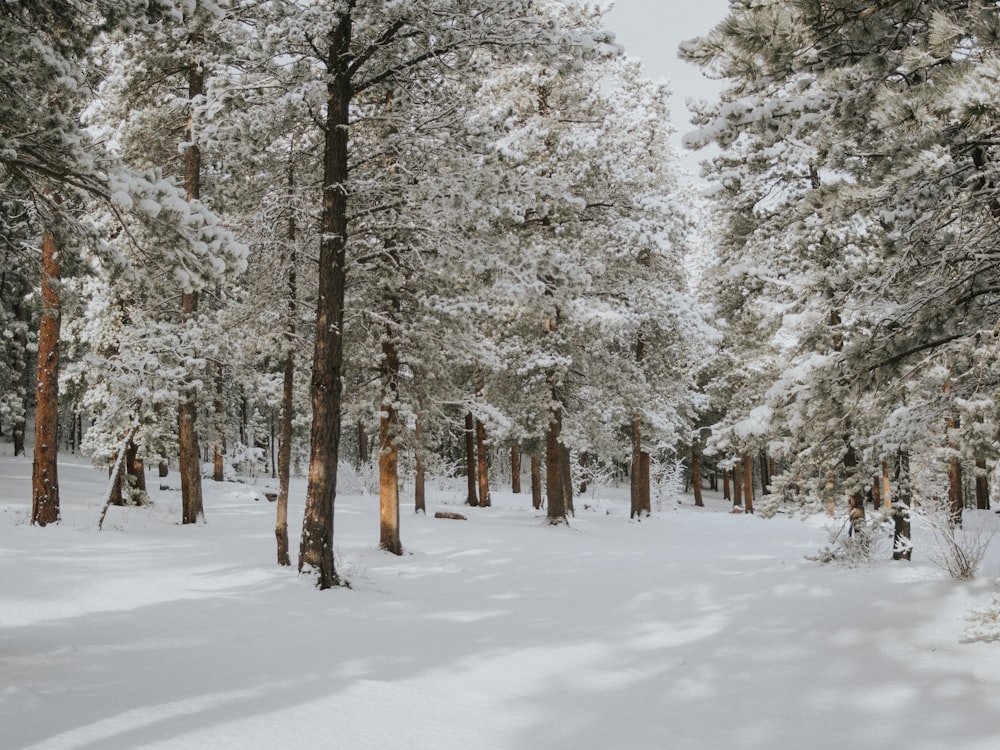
{"points": [[693, 629]]}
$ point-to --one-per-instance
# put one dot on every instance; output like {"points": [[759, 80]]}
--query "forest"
{"points": [[275, 236], [265, 261]]}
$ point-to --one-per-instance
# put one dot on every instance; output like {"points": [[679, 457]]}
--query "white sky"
{"points": [[652, 30]]}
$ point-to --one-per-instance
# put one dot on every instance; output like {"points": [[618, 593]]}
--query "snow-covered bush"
{"points": [[864, 545], [956, 549]]}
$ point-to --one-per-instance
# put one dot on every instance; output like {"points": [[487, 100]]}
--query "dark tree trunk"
{"points": [[982, 486], [419, 481], [219, 447], [856, 500], [635, 475], [553, 469], [470, 460], [19, 421], [362, 444], [192, 508], [955, 499], [135, 469], [726, 494], [482, 466], [163, 468], [901, 544], [765, 473], [388, 457], [515, 468], [536, 481], [316, 547], [696, 478], [44, 472]]}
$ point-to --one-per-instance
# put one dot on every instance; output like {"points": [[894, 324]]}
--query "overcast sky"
{"points": [[651, 30]]}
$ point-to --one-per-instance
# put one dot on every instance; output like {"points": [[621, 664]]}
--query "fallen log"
{"points": [[453, 516]]}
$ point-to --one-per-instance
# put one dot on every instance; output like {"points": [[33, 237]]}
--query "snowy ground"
{"points": [[693, 629]]}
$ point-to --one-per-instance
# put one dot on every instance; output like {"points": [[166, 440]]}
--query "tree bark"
{"points": [[726, 494], [287, 393], [635, 488], [567, 480], [219, 448], [556, 512], [982, 485], [362, 444], [955, 499], [135, 469], [316, 546], [515, 468], [19, 421], [419, 481], [696, 478], [536, 481], [388, 457], [738, 484], [901, 544], [482, 466], [747, 483], [44, 472], [192, 507], [471, 467], [646, 499]]}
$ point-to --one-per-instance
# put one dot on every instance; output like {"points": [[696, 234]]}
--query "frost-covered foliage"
{"points": [[857, 197]]}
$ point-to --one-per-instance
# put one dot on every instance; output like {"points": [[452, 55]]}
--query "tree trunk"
{"points": [[515, 468], [901, 544], [635, 488], [726, 495], [567, 480], [696, 478], [285, 445], [765, 472], [44, 472], [982, 485], [482, 466], [747, 483], [419, 482], [553, 469], [644, 484], [19, 415], [163, 468], [287, 395], [362, 444], [135, 469], [316, 546], [738, 484], [388, 457], [955, 500], [471, 467], [218, 466], [856, 500], [536, 481], [192, 508], [886, 488]]}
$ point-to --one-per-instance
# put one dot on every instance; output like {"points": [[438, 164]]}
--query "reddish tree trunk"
{"points": [[482, 466], [726, 495], [44, 472], [388, 457], [696, 478], [644, 483], [738, 484]]}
